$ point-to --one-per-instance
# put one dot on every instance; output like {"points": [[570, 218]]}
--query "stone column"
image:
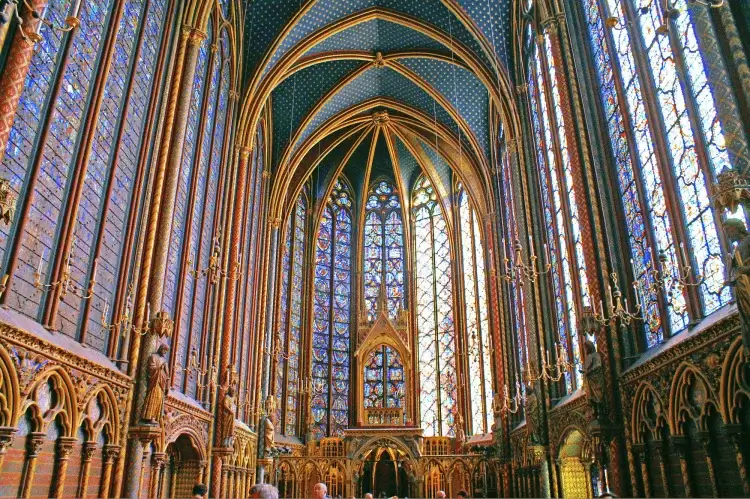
{"points": [[736, 435], [663, 456], [640, 451], [64, 448], [140, 441], [707, 443], [544, 478], [16, 69], [681, 445], [6, 434], [111, 452], [173, 478], [34, 446], [159, 458], [555, 485], [87, 455]]}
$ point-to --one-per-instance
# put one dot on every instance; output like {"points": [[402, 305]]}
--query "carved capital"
{"points": [[266, 174], [64, 447], [88, 451], [522, 89], [680, 443], [6, 434], [194, 36], [159, 459], [35, 442], [111, 453], [244, 152], [275, 222]]}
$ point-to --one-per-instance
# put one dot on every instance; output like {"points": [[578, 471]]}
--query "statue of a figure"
{"points": [[593, 379], [225, 424], [497, 411], [268, 434], [458, 424], [157, 379], [270, 406], [738, 271], [532, 415]]}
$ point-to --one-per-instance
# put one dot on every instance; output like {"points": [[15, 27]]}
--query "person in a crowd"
{"points": [[264, 491], [320, 491], [199, 490]]}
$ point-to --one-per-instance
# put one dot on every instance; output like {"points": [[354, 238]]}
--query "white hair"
{"points": [[264, 491]]}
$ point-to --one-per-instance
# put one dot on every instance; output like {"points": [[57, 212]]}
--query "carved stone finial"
{"points": [[731, 190]]}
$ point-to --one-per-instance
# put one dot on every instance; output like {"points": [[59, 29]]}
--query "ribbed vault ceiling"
{"points": [[323, 68]]}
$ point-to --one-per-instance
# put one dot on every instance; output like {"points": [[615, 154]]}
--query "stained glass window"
{"points": [[384, 248], [435, 324], [290, 319], [476, 316], [384, 379], [675, 72], [559, 202], [331, 316], [516, 289], [109, 176]]}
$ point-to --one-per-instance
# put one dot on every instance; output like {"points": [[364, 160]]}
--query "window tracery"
{"points": [[384, 248], [476, 312], [331, 316], [290, 319], [434, 310]]}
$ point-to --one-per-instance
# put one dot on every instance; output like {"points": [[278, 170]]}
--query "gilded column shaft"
{"points": [[15, 71]]}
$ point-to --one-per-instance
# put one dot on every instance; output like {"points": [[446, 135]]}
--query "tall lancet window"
{"points": [[477, 316], [384, 248], [663, 190], [290, 319], [561, 212], [332, 308], [435, 325]]}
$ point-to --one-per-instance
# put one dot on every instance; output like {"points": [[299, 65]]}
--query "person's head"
{"points": [[368, 496], [199, 490], [463, 494], [163, 349], [440, 494], [264, 491], [319, 491]]}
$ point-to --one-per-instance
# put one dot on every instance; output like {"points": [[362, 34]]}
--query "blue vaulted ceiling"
{"points": [[266, 20], [420, 71]]}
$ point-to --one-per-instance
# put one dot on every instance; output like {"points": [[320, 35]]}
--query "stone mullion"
{"points": [[13, 75], [76, 183], [663, 463], [643, 455], [680, 443]]}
